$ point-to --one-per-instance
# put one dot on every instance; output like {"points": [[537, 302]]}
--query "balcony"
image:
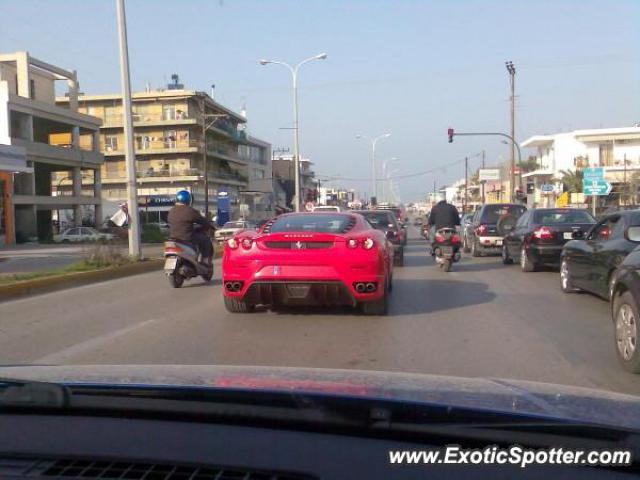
{"points": [[235, 178], [225, 152], [150, 119], [150, 176], [58, 155], [152, 147]]}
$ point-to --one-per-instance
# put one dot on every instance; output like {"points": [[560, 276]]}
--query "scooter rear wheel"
{"points": [[446, 265], [176, 280]]}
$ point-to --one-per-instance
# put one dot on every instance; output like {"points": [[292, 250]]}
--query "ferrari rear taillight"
{"points": [[368, 244], [232, 243], [543, 233], [352, 243], [246, 243]]}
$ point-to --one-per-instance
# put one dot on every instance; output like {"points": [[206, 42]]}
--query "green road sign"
{"points": [[596, 187], [593, 174]]}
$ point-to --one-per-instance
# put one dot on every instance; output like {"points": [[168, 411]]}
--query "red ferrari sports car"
{"points": [[309, 259]]}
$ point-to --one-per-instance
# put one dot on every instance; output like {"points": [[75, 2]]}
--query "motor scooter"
{"points": [[445, 247], [183, 261]]}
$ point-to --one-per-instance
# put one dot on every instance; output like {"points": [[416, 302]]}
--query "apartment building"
{"points": [[181, 138], [49, 144], [283, 171], [615, 149]]}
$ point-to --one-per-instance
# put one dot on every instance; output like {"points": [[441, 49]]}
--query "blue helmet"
{"points": [[184, 196]]}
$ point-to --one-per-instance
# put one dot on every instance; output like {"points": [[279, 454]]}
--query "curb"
{"points": [[60, 282]]}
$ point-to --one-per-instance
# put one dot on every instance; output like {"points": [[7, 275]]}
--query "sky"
{"points": [[411, 68]]}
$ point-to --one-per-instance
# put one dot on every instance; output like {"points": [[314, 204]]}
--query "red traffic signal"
{"points": [[450, 134]]}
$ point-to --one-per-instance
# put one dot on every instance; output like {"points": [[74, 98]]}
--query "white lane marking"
{"points": [[91, 344]]}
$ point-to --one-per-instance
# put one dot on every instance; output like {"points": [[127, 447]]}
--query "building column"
{"points": [[97, 193], [72, 83], [75, 136], [95, 144], [22, 67], [77, 192]]}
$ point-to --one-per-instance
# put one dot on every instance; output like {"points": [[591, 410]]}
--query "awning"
{"points": [[14, 159], [538, 173]]}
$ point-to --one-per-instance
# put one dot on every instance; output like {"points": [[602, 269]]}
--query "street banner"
{"points": [[224, 208]]}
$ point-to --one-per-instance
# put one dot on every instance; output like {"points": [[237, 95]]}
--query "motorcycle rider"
{"points": [[181, 219], [442, 215]]}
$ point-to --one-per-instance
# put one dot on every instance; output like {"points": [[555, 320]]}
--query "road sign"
{"points": [[548, 188], [596, 187], [308, 206], [488, 174], [593, 174]]}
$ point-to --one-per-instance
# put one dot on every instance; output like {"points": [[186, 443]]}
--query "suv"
{"points": [[386, 221], [485, 233]]}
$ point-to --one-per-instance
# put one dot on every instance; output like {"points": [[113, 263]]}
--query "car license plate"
{"points": [[446, 251], [170, 263], [298, 291], [568, 235]]}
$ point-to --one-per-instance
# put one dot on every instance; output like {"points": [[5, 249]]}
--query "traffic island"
{"points": [[82, 273]]}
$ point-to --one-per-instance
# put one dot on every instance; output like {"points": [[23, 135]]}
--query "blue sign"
{"points": [[593, 174], [156, 201], [224, 208], [548, 188]]}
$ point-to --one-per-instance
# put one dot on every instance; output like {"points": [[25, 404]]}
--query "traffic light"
{"points": [[450, 133]]}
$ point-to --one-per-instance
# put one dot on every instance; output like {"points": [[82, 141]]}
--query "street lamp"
{"points": [[386, 177], [374, 182], [296, 139]]}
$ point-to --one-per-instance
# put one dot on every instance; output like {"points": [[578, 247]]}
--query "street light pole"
{"points": [[386, 178], [512, 82], [296, 138], [130, 159], [374, 180]]}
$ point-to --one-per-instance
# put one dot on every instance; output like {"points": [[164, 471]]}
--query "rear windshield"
{"points": [[492, 213], [326, 209], [317, 222], [378, 220], [561, 216]]}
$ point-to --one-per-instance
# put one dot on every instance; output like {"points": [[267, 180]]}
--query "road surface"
{"points": [[481, 320]]}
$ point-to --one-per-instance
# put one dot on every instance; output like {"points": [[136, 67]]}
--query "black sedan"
{"points": [[590, 263], [386, 221], [539, 235], [624, 306]]}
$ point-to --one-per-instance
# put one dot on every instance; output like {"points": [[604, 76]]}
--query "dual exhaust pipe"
{"points": [[362, 287], [233, 286]]}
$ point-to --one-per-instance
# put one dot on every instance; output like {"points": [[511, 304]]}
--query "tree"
{"points": [[572, 180], [529, 165]]}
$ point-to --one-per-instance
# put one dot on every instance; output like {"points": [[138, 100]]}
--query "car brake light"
{"points": [[232, 243], [246, 243], [455, 239], [172, 249], [367, 244], [543, 233], [439, 238], [352, 243], [481, 229]]}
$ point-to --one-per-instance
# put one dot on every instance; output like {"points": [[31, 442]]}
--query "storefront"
{"points": [[12, 162]]}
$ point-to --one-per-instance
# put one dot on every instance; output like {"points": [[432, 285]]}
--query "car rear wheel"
{"points": [[506, 259], [526, 265], [565, 278], [625, 318], [235, 305], [476, 249], [379, 307]]}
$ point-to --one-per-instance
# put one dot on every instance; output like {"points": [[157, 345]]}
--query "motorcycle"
{"points": [[183, 261], [445, 248]]}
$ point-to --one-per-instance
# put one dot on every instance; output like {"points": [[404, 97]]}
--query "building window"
{"points": [[606, 154], [143, 142], [170, 139], [168, 112], [110, 143]]}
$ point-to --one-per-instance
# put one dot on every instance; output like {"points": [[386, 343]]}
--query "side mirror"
{"points": [[633, 234], [577, 235]]}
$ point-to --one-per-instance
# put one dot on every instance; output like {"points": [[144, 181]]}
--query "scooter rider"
{"points": [[442, 215], [181, 219]]}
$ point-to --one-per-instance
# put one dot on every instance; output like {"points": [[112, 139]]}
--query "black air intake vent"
{"points": [[76, 469]]}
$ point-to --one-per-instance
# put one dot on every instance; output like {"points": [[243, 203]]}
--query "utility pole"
{"points": [[512, 81], [466, 184], [434, 191], [205, 166], [130, 156], [482, 182], [626, 188]]}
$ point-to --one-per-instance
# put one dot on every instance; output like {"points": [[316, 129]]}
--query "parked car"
{"points": [[229, 229], [590, 263], [465, 226], [486, 231], [625, 302], [386, 222], [400, 215], [310, 258], [539, 235], [326, 208], [82, 234]]}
